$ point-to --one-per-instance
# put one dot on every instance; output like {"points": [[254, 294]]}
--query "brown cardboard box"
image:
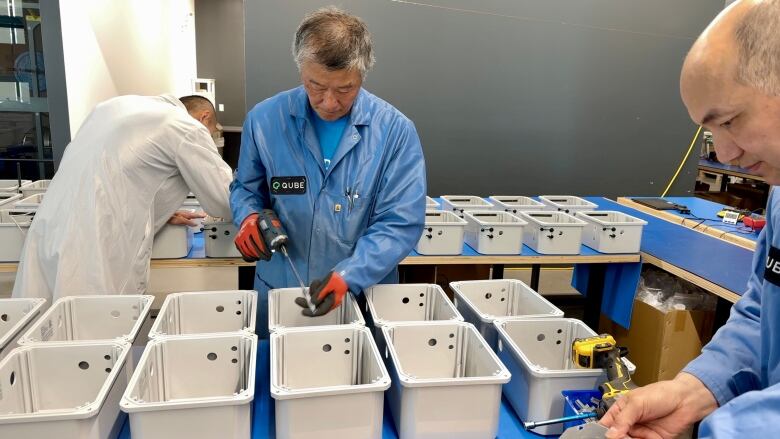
{"points": [[661, 344]]}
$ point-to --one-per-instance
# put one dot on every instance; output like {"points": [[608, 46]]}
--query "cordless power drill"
{"points": [[598, 352], [275, 237], [602, 352]]}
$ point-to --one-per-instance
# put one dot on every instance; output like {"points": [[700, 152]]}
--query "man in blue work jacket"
{"points": [[343, 170], [730, 84]]}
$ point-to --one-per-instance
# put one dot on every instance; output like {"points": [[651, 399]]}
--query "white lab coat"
{"points": [[128, 169]]}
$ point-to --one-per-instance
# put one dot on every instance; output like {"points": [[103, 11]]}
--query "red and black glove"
{"points": [[249, 241], [326, 294]]}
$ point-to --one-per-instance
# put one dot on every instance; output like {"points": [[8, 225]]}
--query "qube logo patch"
{"points": [[288, 185], [772, 268]]}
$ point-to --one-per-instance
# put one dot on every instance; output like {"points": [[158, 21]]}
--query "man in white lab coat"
{"points": [[123, 176]]}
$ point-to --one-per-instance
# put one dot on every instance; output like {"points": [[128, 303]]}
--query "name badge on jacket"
{"points": [[288, 185], [772, 269]]}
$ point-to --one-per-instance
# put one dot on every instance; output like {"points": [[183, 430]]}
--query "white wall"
{"points": [[118, 47]]}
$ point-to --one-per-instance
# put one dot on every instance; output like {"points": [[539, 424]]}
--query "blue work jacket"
{"points": [[741, 365], [360, 217]]}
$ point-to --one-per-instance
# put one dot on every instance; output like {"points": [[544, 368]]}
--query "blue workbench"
{"points": [[263, 426], [705, 212], [707, 257]]}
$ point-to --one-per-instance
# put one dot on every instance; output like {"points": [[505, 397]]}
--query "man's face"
{"points": [[331, 92], [745, 122]]}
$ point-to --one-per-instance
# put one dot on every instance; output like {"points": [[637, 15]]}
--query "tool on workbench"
{"points": [[755, 222], [602, 352], [276, 238], [597, 352], [579, 417]]}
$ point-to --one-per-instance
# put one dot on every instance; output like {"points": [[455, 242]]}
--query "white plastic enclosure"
{"points": [[446, 381], [538, 354], [567, 203], [494, 233], [283, 312], [13, 231], [392, 303], [553, 233], [173, 241], [90, 318], [193, 387], [34, 187], [464, 203], [333, 377], [218, 236], [609, 231], [515, 204], [15, 316], [206, 312], [481, 302], [11, 185], [63, 390], [430, 203], [443, 234]]}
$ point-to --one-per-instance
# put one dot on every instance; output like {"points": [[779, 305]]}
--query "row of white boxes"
{"points": [[558, 225], [74, 369], [19, 204], [63, 373], [446, 375]]}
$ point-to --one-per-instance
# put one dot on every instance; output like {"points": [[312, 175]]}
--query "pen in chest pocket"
{"points": [[351, 195]]}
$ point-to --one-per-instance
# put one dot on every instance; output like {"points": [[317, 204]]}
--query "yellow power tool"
{"points": [[602, 352]]}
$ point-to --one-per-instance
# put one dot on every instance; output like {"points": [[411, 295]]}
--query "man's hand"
{"points": [[662, 410], [249, 241], [326, 294], [186, 217]]}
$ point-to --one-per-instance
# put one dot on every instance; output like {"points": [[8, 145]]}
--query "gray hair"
{"points": [[335, 39], [759, 47]]}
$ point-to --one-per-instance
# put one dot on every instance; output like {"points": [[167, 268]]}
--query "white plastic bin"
{"points": [[29, 203], [90, 318], [15, 316], [608, 231], [8, 199], [206, 312], [392, 303], [13, 230], [172, 242], [464, 203], [11, 185], [193, 387], [442, 235], [494, 233], [218, 236], [63, 391], [553, 233], [538, 354], [481, 302], [283, 312], [446, 381], [34, 187], [567, 203], [431, 204], [515, 204], [328, 382]]}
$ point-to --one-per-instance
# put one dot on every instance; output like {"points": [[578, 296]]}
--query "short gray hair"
{"points": [[759, 47], [335, 39]]}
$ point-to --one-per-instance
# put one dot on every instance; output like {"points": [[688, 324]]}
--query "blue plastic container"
{"points": [[570, 405]]}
